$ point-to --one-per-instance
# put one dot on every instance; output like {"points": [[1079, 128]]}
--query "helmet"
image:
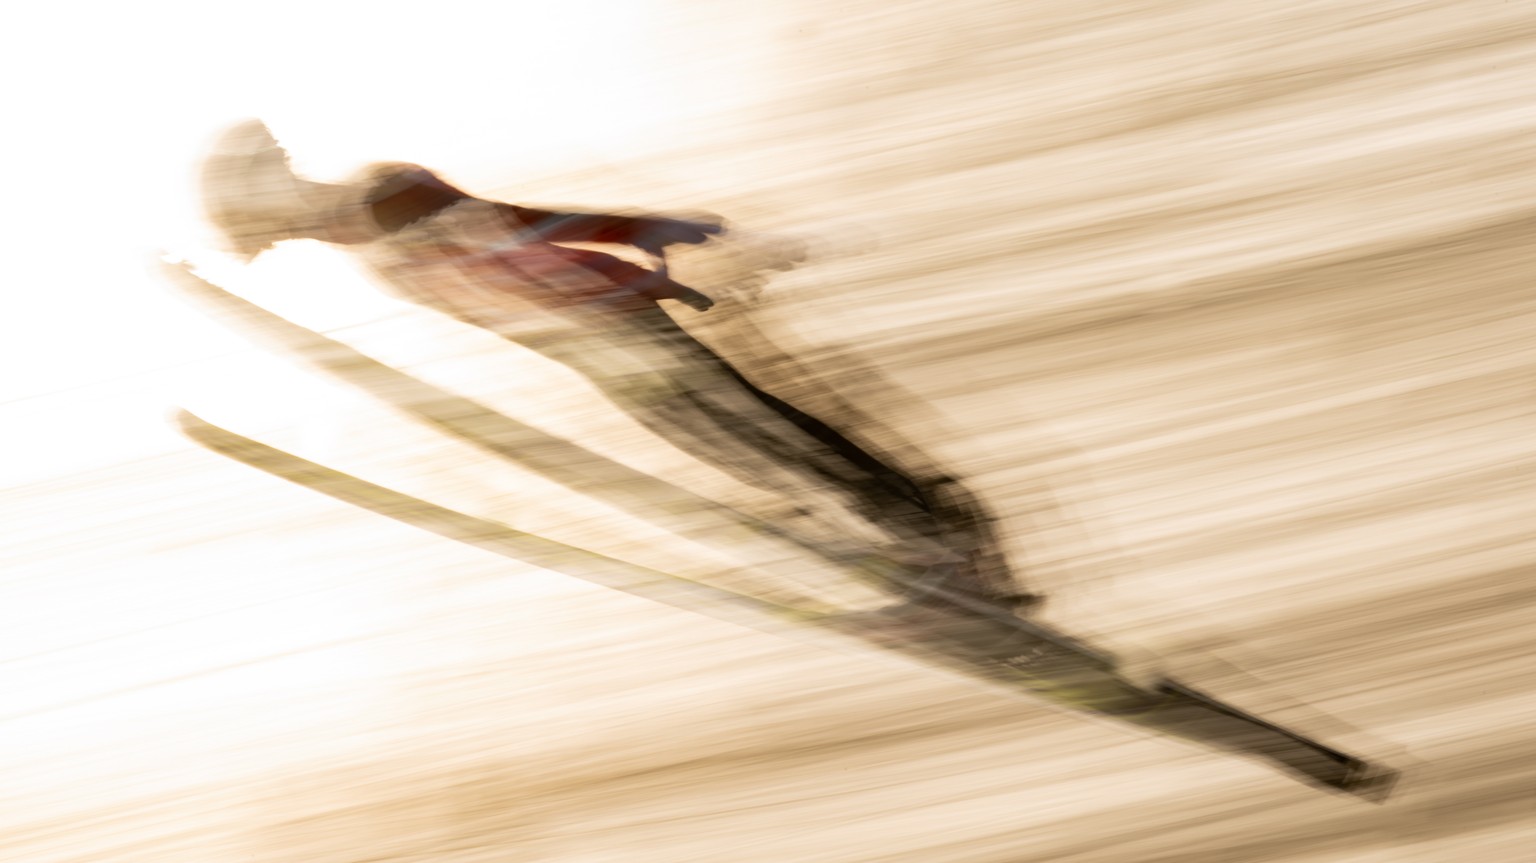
{"points": [[255, 200]]}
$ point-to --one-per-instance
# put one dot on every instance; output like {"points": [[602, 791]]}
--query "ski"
{"points": [[1006, 652], [483, 533]]}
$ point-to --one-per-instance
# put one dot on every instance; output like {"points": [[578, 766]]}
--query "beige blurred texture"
{"points": [[1225, 306]]}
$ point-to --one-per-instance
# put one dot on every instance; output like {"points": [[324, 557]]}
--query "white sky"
{"points": [[115, 103], [111, 107]]}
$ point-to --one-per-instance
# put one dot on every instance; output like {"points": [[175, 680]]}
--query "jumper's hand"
{"points": [[695, 300], [652, 234], [656, 286]]}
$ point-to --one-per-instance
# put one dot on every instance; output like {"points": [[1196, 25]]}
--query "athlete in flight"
{"points": [[503, 267]]}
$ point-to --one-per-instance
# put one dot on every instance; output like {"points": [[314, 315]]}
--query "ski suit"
{"points": [[496, 266], [501, 267]]}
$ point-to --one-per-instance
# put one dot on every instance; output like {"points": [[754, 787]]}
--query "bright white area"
{"points": [[111, 109], [113, 106]]}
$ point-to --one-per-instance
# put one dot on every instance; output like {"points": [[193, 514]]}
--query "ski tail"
{"points": [[1225, 725]]}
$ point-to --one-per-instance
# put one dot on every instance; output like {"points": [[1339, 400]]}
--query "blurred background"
{"points": [[1224, 307]]}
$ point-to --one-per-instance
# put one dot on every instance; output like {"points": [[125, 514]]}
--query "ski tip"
{"points": [[184, 420]]}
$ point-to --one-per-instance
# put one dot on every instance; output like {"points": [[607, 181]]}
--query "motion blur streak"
{"points": [[1224, 307]]}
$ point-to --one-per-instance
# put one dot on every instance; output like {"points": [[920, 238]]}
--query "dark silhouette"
{"points": [[500, 266]]}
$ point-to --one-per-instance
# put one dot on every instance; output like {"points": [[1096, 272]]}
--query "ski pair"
{"points": [[924, 621]]}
